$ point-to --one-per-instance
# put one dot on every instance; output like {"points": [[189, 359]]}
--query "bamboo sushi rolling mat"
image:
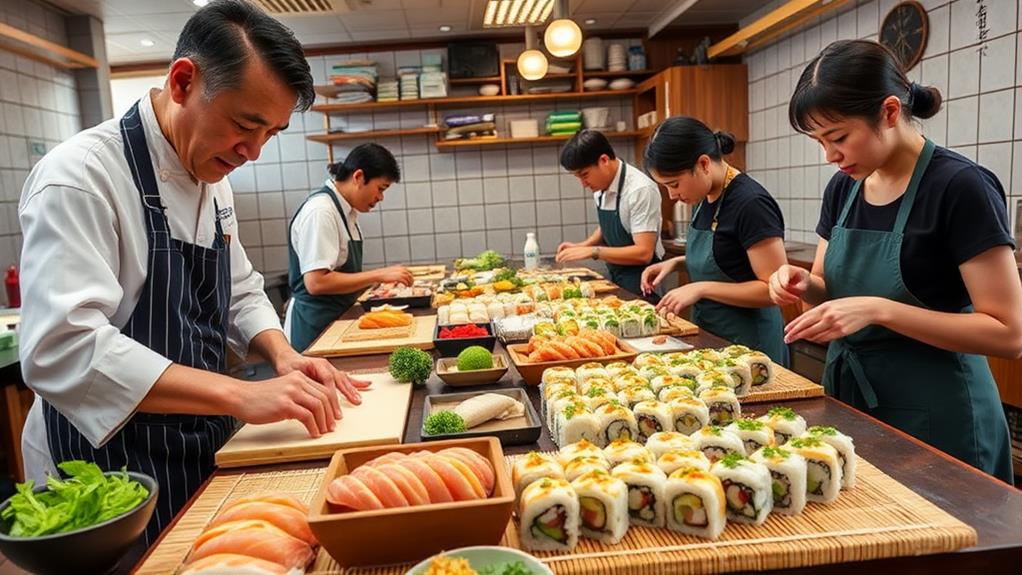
{"points": [[879, 518], [786, 385]]}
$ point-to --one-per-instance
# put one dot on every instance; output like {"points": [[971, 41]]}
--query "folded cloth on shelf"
{"points": [[466, 119], [564, 117], [470, 128], [563, 126]]}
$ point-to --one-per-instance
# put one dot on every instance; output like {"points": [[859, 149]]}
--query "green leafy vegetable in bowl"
{"points": [[486, 260], [444, 422], [515, 568], [410, 365], [88, 497]]}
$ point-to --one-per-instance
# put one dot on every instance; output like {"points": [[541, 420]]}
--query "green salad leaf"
{"points": [[86, 498], [516, 568]]}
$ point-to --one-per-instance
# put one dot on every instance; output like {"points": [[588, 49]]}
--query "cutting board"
{"points": [[435, 272], [331, 342], [379, 420]]}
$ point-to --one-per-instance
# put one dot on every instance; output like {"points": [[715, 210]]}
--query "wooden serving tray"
{"points": [[331, 342], [532, 372], [355, 333]]}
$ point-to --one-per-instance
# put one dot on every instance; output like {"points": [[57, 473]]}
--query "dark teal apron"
{"points": [[761, 328], [946, 399], [310, 314], [616, 236]]}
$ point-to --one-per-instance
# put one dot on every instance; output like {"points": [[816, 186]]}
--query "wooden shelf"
{"points": [[370, 135], [469, 101], [470, 81], [442, 144], [605, 74], [42, 50]]}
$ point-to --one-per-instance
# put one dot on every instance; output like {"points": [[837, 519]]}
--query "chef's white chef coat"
{"points": [[640, 209], [83, 267], [319, 237]]}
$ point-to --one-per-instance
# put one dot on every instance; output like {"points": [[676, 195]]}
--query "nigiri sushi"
{"points": [[288, 519], [254, 538], [233, 564]]}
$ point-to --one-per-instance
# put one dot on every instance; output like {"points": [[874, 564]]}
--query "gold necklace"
{"points": [[729, 175]]}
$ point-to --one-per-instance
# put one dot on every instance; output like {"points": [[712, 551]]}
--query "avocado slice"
{"points": [[594, 513], [688, 509]]}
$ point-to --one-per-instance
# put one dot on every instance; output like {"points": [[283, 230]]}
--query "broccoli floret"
{"points": [[410, 365]]}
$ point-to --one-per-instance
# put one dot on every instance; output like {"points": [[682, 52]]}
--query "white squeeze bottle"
{"points": [[531, 251]]}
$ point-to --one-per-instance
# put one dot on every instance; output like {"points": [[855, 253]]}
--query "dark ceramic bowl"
{"points": [[91, 550]]}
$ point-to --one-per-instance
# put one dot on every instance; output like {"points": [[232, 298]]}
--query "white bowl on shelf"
{"points": [[489, 90], [596, 118], [622, 84], [594, 84]]}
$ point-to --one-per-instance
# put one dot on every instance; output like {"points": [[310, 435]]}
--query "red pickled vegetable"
{"points": [[462, 331]]}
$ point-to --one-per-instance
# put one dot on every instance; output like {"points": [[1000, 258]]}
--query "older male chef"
{"points": [[135, 281]]}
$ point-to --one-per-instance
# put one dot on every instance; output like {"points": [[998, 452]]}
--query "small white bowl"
{"points": [[622, 84], [594, 84], [486, 556], [489, 90]]}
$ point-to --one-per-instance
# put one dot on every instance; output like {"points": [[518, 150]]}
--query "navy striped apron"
{"points": [[182, 315]]}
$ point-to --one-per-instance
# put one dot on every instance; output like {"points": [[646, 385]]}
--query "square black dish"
{"points": [[452, 347], [525, 434], [417, 301]]}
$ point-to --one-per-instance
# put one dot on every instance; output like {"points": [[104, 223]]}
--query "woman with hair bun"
{"points": [[734, 242], [325, 243], [914, 278]]}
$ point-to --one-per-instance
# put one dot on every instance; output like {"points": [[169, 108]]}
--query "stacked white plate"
{"points": [[617, 58], [592, 53]]}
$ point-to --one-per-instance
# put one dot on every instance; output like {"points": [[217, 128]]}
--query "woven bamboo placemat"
{"points": [[786, 385], [879, 518]]}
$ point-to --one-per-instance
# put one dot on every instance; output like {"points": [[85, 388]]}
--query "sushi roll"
{"points": [[788, 474], [845, 451], [748, 488], [623, 450], [785, 423], [584, 464], [630, 379], [740, 373], [660, 443], [760, 366], [532, 466], [631, 325], [615, 421], [558, 374], [676, 459], [576, 422], [588, 371], [823, 468], [595, 381], [736, 350], [695, 503], [603, 504], [650, 323], [590, 321], [443, 315], [611, 324], [685, 370], [647, 358], [616, 368], [667, 380], [669, 394], [652, 417], [722, 404], [716, 442], [495, 310], [755, 434], [649, 372], [549, 516], [689, 415], [715, 377], [645, 483], [556, 404], [631, 396], [573, 450], [597, 396]]}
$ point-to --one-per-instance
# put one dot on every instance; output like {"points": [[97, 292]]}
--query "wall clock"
{"points": [[905, 31]]}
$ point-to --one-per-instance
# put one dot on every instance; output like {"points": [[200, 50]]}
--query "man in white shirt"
{"points": [[628, 206], [134, 281]]}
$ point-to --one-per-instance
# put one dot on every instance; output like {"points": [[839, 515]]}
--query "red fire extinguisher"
{"points": [[13, 289]]}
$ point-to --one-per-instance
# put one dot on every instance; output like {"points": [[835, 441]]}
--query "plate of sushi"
{"points": [[419, 294], [566, 352], [691, 484]]}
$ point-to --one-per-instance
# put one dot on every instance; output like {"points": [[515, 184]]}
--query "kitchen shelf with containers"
{"points": [[583, 78]]}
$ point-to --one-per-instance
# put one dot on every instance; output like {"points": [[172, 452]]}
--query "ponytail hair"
{"points": [[851, 79], [679, 141], [374, 160]]}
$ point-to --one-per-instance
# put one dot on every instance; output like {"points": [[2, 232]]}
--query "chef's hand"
{"points": [[679, 298], [574, 254], [324, 373], [566, 245], [396, 274], [788, 284], [653, 275], [291, 396], [834, 319]]}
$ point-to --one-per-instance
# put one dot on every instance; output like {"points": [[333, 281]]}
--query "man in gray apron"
{"points": [[628, 208], [135, 282]]}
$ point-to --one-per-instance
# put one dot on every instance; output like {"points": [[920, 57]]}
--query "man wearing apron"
{"points": [[135, 283], [325, 243], [628, 208]]}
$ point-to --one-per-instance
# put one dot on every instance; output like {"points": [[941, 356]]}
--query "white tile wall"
{"points": [[981, 83], [37, 105]]}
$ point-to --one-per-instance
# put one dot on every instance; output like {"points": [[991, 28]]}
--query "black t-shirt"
{"points": [[959, 213], [748, 215]]}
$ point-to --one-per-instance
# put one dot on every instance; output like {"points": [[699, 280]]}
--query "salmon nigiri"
{"points": [[479, 464], [382, 486], [254, 538], [435, 487], [288, 519], [350, 492], [274, 498], [407, 482], [391, 457], [232, 564], [457, 483]]}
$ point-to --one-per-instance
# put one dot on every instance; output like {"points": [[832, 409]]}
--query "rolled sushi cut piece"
{"points": [[549, 516], [748, 488], [685, 370], [630, 378], [635, 394], [723, 405], [603, 504], [717, 442], [689, 415], [631, 325], [695, 503], [623, 450], [845, 451], [647, 358], [579, 449], [741, 374], [598, 395], [556, 404], [612, 324], [788, 474], [645, 482], [669, 380], [715, 377], [676, 459], [576, 422], [650, 372], [616, 368], [754, 433], [660, 443], [587, 371], [584, 464], [672, 392], [652, 417], [650, 324], [558, 373], [532, 466], [823, 468], [785, 423], [614, 421], [760, 366]]}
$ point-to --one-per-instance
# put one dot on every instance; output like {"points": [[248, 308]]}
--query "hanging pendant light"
{"points": [[563, 37], [532, 63]]}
